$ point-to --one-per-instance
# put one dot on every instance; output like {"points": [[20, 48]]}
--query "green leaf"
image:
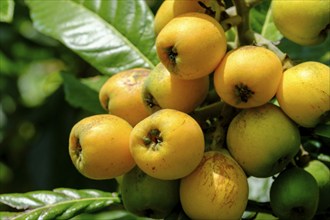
{"points": [[8, 215], [323, 130], [80, 95], [62, 203], [298, 53], [111, 35], [261, 21], [6, 10], [110, 215], [131, 18], [95, 82]]}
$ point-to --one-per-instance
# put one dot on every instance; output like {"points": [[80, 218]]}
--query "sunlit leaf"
{"points": [[262, 22], [110, 35], [131, 18], [8, 215], [6, 10], [110, 215], [63, 203]]}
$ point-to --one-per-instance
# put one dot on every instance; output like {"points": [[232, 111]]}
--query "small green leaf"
{"points": [[6, 10], [62, 203], [80, 95], [262, 22], [111, 35], [323, 130]]}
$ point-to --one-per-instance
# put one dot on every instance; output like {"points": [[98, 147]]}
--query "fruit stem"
{"points": [[219, 109], [303, 157], [202, 114], [262, 41], [246, 36], [244, 32], [263, 207], [208, 10]]}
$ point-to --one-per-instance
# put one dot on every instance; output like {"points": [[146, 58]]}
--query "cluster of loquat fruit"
{"points": [[152, 130]]}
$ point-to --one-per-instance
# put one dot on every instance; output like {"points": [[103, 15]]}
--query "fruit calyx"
{"points": [[78, 148], [153, 139], [324, 32], [172, 54], [208, 10], [243, 92], [149, 213], [151, 101], [107, 102], [298, 211]]}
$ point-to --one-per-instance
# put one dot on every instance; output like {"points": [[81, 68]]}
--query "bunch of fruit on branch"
{"points": [[189, 132]]}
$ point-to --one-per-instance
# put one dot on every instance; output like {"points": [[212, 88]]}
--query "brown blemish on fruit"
{"points": [[131, 81], [224, 172]]}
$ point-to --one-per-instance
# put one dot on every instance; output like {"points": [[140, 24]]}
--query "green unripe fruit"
{"points": [[294, 195]]}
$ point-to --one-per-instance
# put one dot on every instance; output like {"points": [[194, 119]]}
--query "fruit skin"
{"points": [[99, 146], [121, 95], [263, 140], [302, 22], [172, 8], [168, 144], [294, 195], [162, 90], [321, 173], [146, 196], [248, 76], [217, 189], [191, 45], [311, 80]]}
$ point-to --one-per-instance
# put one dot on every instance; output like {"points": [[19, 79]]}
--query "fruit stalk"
{"points": [[262, 41], [263, 207], [245, 34], [214, 110]]}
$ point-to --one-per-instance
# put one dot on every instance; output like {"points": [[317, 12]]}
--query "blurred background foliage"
{"points": [[35, 118]]}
